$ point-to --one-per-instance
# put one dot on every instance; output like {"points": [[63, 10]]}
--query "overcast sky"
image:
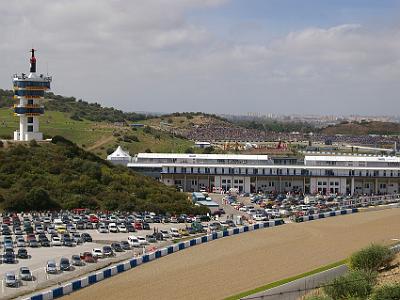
{"points": [[222, 56]]}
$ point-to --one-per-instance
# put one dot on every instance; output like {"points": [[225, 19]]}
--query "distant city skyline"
{"points": [[280, 57]]}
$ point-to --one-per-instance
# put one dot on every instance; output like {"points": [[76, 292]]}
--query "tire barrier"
{"points": [[325, 215], [108, 272]]}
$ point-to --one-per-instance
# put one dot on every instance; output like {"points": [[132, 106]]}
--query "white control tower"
{"points": [[29, 90]]}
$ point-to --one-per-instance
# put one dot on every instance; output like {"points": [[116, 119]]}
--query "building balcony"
{"points": [[29, 111]]}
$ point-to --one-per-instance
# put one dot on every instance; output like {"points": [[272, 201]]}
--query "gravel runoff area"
{"points": [[231, 265]]}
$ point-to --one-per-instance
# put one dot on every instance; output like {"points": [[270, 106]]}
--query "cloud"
{"points": [[148, 55]]}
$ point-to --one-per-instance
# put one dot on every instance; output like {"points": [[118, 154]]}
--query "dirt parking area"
{"points": [[231, 265]]}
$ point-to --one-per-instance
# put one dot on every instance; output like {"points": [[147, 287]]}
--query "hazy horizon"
{"points": [[217, 56]]}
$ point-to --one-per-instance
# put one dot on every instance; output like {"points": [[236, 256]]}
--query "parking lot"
{"points": [[38, 257], [57, 237]]}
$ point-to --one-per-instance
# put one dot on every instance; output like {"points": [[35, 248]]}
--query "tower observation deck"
{"points": [[29, 91]]}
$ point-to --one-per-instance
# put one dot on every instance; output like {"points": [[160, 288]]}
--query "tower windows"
{"points": [[30, 128], [30, 119]]}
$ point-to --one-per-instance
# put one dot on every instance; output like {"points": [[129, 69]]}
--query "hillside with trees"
{"points": [[363, 128], [61, 175]]}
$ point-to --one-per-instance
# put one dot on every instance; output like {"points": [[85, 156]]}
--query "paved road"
{"points": [[295, 289]]}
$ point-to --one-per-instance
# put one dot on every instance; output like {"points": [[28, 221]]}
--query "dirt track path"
{"points": [[101, 142], [228, 266]]}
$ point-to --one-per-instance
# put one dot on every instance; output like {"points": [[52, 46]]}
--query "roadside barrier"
{"points": [[108, 272], [325, 215]]}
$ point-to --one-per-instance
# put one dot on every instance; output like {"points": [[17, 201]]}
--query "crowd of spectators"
{"points": [[232, 133]]}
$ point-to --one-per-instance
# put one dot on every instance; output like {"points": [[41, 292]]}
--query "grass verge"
{"points": [[286, 280]]}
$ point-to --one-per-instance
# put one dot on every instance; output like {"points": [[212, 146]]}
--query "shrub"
{"points": [[76, 117], [33, 143], [387, 292], [208, 150], [371, 258], [189, 150], [354, 284]]}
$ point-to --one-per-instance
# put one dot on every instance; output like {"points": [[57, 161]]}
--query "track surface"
{"points": [[231, 265]]}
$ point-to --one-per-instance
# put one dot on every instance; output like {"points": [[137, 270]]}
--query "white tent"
{"points": [[119, 156]]}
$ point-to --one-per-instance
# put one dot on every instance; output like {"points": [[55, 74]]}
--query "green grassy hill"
{"points": [[62, 175], [93, 127]]}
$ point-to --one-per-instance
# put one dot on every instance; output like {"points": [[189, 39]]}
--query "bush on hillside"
{"points": [[354, 284], [387, 292], [372, 258]]}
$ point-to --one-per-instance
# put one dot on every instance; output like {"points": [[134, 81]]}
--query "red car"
{"points": [[88, 257], [138, 226], [93, 219], [7, 221]]}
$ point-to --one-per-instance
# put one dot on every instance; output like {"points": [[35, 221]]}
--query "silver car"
{"points": [[10, 279], [21, 242], [51, 267], [25, 274]]}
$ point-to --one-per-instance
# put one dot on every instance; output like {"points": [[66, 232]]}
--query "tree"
{"points": [[38, 199]]}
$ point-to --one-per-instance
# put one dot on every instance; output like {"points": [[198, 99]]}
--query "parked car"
{"points": [[117, 247], [25, 274], [133, 241], [68, 242], [122, 228], [22, 253], [65, 264], [107, 251], [96, 252], [21, 242], [56, 241], [130, 228], [183, 231], [88, 257], [44, 243], [33, 243], [102, 229], [86, 237], [151, 238], [142, 240], [10, 280], [8, 258], [51, 267], [76, 260], [174, 232], [165, 234], [125, 245], [112, 227], [138, 226]]}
